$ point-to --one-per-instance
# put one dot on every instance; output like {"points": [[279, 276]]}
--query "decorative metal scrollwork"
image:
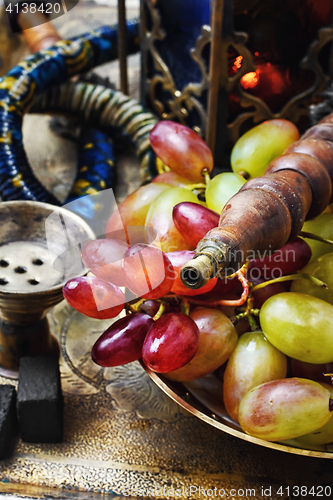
{"points": [[296, 106], [182, 101]]}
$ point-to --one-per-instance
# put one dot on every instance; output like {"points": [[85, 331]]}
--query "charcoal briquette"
{"points": [[40, 400]]}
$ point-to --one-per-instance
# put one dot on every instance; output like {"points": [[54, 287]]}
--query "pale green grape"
{"points": [[253, 362], [160, 218], [221, 188], [320, 226], [255, 149], [300, 326], [284, 409], [321, 268], [324, 434]]}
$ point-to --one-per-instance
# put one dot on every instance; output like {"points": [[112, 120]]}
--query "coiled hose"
{"points": [[46, 72]]}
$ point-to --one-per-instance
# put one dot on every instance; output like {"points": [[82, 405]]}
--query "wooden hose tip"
{"points": [[38, 37]]}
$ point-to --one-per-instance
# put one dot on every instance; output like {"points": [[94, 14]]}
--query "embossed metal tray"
{"points": [[203, 398]]}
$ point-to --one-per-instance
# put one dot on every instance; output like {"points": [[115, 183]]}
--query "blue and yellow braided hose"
{"points": [[97, 106], [102, 107]]}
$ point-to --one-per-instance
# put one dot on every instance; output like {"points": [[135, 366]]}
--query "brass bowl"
{"points": [[203, 399], [40, 249]]}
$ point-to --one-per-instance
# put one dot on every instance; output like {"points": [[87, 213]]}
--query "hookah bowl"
{"points": [[40, 250]]}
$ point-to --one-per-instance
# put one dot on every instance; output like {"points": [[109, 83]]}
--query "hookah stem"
{"points": [[270, 210]]}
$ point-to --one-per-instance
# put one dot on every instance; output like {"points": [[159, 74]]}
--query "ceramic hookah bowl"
{"points": [[40, 249]]}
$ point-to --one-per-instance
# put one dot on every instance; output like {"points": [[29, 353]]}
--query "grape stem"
{"points": [[136, 306], [312, 236], [329, 375], [291, 277], [160, 310], [249, 314], [244, 174], [206, 175], [193, 187], [184, 306]]}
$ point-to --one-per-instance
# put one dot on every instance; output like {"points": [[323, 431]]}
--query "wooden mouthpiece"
{"points": [[38, 37]]}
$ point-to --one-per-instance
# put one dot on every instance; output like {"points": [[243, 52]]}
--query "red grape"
{"points": [[222, 287], [178, 259], [218, 338], [172, 179], [152, 306], [104, 258], [122, 342], [170, 343], [148, 271], [94, 297], [293, 256], [194, 221], [181, 149]]}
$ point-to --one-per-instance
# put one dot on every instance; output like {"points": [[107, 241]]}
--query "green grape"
{"points": [[284, 409], [221, 188], [320, 226], [324, 434], [321, 268], [255, 149], [253, 362], [133, 210], [300, 326], [160, 218]]}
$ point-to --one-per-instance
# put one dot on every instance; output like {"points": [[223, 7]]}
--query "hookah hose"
{"points": [[95, 105], [103, 107], [95, 150]]}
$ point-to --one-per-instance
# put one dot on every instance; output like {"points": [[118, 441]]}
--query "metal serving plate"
{"points": [[203, 398]]}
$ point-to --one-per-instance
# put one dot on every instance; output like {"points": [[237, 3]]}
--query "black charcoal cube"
{"points": [[40, 400], [8, 422]]}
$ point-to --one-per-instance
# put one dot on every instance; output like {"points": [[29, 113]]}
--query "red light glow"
{"points": [[237, 63], [250, 80]]}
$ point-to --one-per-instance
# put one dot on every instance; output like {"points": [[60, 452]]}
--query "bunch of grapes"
{"points": [[263, 329]]}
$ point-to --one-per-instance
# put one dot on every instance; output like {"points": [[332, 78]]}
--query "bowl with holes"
{"points": [[40, 249]]}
